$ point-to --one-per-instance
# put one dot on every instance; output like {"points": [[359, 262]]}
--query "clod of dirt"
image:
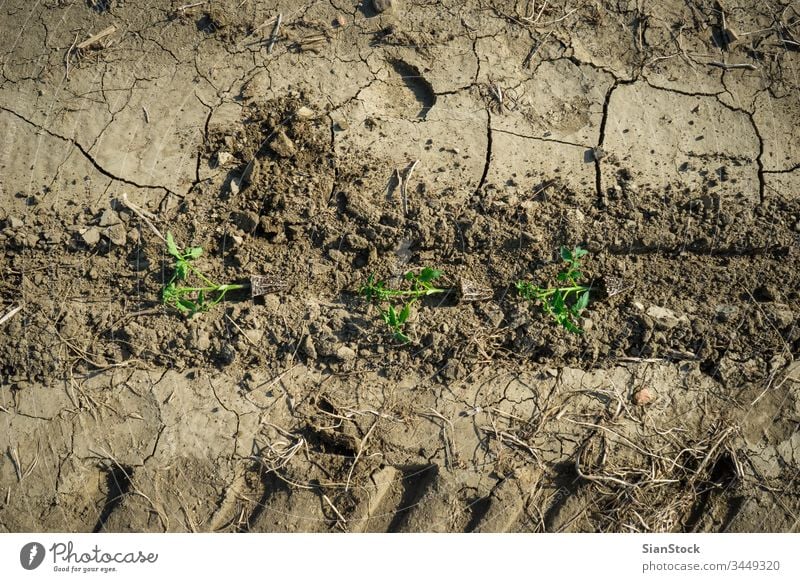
{"points": [[282, 145], [381, 5], [664, 318], [247, 221], [309, 349], [346, 354], [224, 158], [643, 397], [304, 113], [91, 236], [116, 234], [109, 218]]}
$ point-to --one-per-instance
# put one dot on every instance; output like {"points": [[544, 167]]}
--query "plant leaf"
{"points": [[181, 270], [427, 275], [578, 252], [583, 301], [172, 248], [186, 305], [566, 254], [193, 252], [406, 311]]}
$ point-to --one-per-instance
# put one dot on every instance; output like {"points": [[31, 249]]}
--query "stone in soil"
{"points": [[382, 5]]}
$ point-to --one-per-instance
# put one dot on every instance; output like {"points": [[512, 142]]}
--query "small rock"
{"points": [[234, 186], [91, 236], [726, 313], [282, 145], [254, 335], [224, 158], [304, 112], [493, 313], [203, 341], [337, 256], [664, 318], [789, 450], [14, 222], [109, 218], [784, 318], [340, 21], [309, 349], [382, 5], [356, 242], [116, 234], [345, 354], [643, 397]]}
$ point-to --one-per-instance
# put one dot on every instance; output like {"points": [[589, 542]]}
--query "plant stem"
{"points": [[411, 292]]}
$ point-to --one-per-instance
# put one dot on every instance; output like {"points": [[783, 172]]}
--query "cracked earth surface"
{"points": [[662, 138]]}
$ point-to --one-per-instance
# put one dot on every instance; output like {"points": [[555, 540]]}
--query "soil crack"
{"points": [[86, 154]]}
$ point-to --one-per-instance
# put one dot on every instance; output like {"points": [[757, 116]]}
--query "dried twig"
{"points": [[726, 66], [358, 454], [95, 38], [187, 6], [10, 313], [141, 214], [404, 186], [336, 511], [68, 56], [273, 38]]}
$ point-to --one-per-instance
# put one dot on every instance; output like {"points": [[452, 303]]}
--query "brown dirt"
{"points": [[600, 124]]}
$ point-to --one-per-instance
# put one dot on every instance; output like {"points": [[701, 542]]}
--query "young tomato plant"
{"points": [[420, 285], [565, 303], [184, 296]]}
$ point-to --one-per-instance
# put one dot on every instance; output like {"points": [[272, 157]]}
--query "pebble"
{"points": [[305, 112], [91, 236], [116, 234], [234, 186], [643, 397], [346, 354], [382, 5], [282, 145], [224, 158], [109, 218], [203, 341], [254, 335], [14, 222], [309, 349], [725, 313], [664, 318], [356, 242]]}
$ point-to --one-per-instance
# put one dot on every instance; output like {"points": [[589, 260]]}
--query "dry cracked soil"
{"points": [[477, 137]]}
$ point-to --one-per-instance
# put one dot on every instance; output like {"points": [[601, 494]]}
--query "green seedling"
{"points": [[181, 294], [420, 285], [564, 304]]}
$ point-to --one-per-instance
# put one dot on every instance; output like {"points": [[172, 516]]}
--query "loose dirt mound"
{"points": [[476, 138]]}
